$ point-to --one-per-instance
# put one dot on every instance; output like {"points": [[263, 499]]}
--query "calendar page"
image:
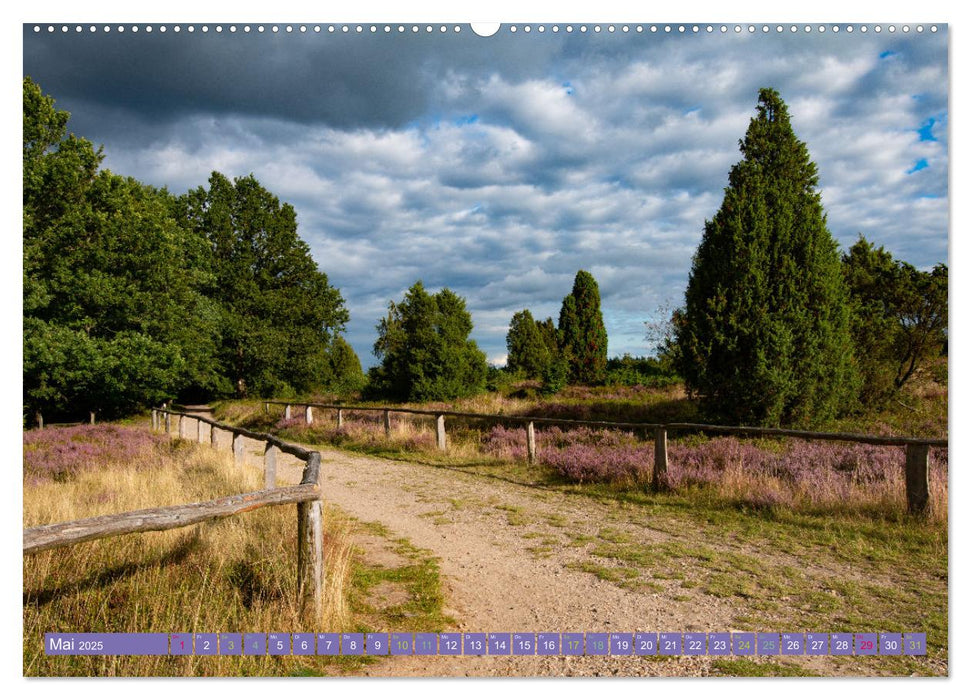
{"points": [[521, 349]]}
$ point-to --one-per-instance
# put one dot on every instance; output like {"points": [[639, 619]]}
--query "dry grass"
{"points": [[232, 575]]}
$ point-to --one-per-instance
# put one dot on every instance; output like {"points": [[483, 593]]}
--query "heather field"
{"points": [[803, 477]]}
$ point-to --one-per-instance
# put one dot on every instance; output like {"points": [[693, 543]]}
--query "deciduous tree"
{"points": [[899, 317], [425, 351]]}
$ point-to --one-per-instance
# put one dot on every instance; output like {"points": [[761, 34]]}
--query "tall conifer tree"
{"points": [[765, 337], [583, 337]]}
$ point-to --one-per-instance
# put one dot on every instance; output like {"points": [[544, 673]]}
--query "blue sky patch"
{"points": [[918, 166], [926, 130]]}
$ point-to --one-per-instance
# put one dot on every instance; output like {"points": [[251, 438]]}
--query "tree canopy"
{"points": [[765, 333], [899, 317], [425, 351], [528, 353], [109, 306], [278, 310], [132, 296]]}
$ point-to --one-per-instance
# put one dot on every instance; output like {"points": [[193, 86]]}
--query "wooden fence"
{"points": [[916, 464], [307, 495]]}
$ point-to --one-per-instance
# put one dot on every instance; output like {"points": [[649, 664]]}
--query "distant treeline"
{"points": [[133, 295]]}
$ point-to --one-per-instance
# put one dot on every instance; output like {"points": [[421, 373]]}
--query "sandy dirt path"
{"points": [[505, 556]]}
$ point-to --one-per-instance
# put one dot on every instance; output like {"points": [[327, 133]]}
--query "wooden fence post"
{"points": [[660, 459], [91, 417], [199, 425], [266, 407], [286, 412], [168, 423], [918, 484], [40, 420], [269, 465], [310, 553], [440, 432], [387, 423], [238, 455], [212, 435], [309, 415], [154, 420], [530, 443], [181, 426], [340, 418]]}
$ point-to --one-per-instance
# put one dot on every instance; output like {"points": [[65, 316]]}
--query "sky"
{"points": [[500, 166]]}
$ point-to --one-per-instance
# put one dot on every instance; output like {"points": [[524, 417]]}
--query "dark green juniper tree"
{"points": [[765, 334], [583, 338]]}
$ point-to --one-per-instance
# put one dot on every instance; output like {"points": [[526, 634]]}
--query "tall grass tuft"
{"points": [[232, 575]]}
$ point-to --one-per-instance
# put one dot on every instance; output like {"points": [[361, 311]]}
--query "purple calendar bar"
{"points": [[180, 644], [622, 643], [598, 643], [743, 643], [105, 644], [303, 644], [817, 643], [475, 643], [328, 644], [376, 643], [866, 644], [793, 644], [571, 643], [426, 644], [450, 643], [352, 644], [524, 643], [915, 643], [645, 643], [493, 643], [694, 643], [500, 643], [206, 644], [548, 644], [669, 644], [841, 644], [278, 644], [719, 644]]}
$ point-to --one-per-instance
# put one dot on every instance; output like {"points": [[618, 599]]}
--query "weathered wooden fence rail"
{"points": [[916, 464], [306, 495]]}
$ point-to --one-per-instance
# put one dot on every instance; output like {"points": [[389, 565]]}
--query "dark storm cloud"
{"points": [[343, 80]]}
